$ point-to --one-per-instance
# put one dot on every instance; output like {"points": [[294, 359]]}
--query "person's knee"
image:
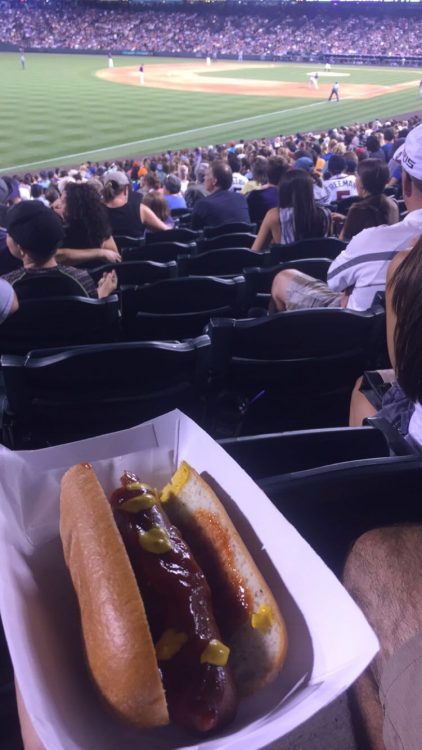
{"points": [[383, 573], [280, 287]]}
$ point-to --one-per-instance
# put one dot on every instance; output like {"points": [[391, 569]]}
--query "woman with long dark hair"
{"points": [[374, 208], [401, 404], [298, 217], [87, 228]]}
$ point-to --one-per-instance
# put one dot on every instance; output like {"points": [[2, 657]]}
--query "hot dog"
{"points": [[190, 654]]}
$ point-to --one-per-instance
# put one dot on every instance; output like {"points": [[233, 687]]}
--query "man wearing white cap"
{"points": [[360, 270]]}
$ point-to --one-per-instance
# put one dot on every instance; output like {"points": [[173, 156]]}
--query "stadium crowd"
{"points": [[271, 32]]}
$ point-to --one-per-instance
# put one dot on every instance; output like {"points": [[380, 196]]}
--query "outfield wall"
{"points": [[380, 60]]}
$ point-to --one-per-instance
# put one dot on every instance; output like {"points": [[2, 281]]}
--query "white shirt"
{"points": [[415, 425], [364, 262], [337, 187]]}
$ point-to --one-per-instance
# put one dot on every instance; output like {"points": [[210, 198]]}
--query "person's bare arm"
{"points": [[390, 314], [71, 257], [266, 231], [109, 244], [30, 739], [150, 220], [15, 304]]}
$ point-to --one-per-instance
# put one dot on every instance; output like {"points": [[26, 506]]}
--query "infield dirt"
{"points": [[187, 77]]}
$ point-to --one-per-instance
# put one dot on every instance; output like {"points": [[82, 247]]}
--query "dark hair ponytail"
{"points": [[407, 305]]}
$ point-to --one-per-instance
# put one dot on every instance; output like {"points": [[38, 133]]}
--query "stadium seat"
{"points": [[333, 505], [223, 241], [232, 228], [60, 321], [123, 240], [264, 456], [258, 281], [292, 370], [161, 252], [344, 204], [181, 215], [53, 284], [215, 263], [182, 234], [322, 247], [55, 396], [178, 308], [138, 271]]}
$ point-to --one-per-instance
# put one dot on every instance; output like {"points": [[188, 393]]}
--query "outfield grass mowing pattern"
{"points": [[58, 112]]}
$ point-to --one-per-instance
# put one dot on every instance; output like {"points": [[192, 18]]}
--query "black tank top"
{"points": [[125, 220]]}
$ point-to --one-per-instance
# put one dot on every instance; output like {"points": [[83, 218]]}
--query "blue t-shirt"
{"points": [[6, 299]]}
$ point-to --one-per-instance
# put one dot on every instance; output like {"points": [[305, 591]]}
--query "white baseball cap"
{"points": [[410, 155]]}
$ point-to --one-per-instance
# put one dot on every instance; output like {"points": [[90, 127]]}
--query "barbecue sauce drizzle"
{"points": [[200, 696]]}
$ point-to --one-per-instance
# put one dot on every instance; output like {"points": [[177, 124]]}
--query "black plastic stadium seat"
{"points": [[264, 456], [216, 263], [138, 271], [161, 252], [344, 204], [292, 370], [182, 234], [231, 228], [61, 395], [178, 308], [322, 247], [124, 240], [60, 321], [53, 284], [258, 281], [333, 505], [223, 241]]}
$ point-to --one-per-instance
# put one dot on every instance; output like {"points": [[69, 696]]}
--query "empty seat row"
{"points": [[244, 377]]}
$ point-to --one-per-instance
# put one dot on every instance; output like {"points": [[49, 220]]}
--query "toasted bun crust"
{"points": [[257, 654], [118, 641]]}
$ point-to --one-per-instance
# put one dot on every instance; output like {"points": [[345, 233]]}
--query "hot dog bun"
{"points": [[257, 653], [119, 647]]}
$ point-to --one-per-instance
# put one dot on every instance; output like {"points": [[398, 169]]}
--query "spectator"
{"points": [[157, 203], [383, 570], [375, 208], [183, 172], [356, 274], [8, 300], [297, 216], [339, 184], [374, 149], [222, 206], [239, 180], [389, 146], [260, 201], [9, 195], [172, 194], [37, 194], [87, 228], [127, 215], [401, 404], [259, 176], [33, 235], [196, 190], [383, 575]]}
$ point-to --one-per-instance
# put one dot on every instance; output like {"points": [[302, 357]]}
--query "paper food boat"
{"points": [[330, 642]]}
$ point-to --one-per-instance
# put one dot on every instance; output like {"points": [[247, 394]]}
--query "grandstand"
{"points": [[190, 219]]}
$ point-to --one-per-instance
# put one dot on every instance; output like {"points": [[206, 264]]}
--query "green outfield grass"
{"points": [[58, 112]]}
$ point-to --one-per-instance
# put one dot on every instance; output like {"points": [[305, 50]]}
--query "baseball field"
{"points": [[63, 109]]}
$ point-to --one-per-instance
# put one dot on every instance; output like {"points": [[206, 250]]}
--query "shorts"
{"points": [[401, 697], [304, 292]]}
